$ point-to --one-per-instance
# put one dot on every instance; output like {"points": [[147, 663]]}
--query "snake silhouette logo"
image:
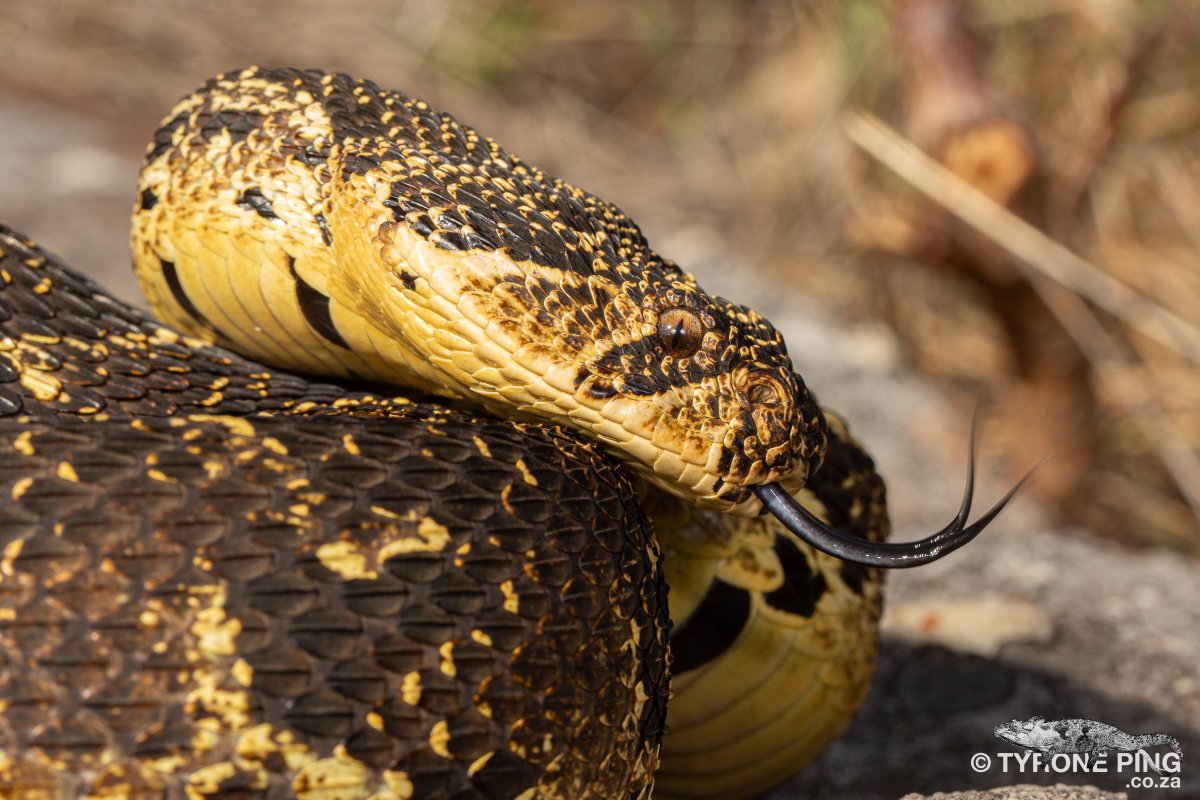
{"points": [[1086, 736]]}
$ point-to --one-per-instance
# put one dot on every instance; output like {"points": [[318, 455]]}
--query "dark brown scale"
{"points": [[163, 138], [315, 307], [329, 634], [126, 704], [8, 370], [711, 629], [78, 740], [164, 741], [533, 599], [460, 595], [254, 200], [127, 630], [372, 747], [241, 558], [281, 671], [94, 592], [335, 649], [283, 594], [803, 586], [79, 662], [322, 713], [441, 695], [143, 558]]}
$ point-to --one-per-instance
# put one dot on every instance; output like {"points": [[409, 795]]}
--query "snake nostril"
{"points": [[763, 394]]}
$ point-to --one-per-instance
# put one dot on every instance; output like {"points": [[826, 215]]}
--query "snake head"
{"points": [[592, 330], [705, 391], [700, 395], [545, 302]]}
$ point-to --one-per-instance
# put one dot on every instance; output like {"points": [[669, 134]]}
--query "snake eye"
{"points": [[680, 332]]}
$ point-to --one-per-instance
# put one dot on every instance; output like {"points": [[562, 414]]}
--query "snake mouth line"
{"points": [[888, 555]]}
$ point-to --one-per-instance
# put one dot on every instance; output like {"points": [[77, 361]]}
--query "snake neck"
{"points": [[759, 619]]}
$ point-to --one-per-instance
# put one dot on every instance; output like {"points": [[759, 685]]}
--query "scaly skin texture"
{"points": [[347, 596], [312, 220], [773, 643], [217, 577]]}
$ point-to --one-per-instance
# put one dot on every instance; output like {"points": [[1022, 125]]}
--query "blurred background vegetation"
{"points": [[734, 131]]}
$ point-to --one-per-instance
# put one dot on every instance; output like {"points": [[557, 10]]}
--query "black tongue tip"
{"points": [[889, 555]]}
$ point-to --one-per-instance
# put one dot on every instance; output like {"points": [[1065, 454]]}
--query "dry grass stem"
{"points": [[1051, 260], [1036, 253]]}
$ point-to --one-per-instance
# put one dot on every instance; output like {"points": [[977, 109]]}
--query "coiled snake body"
{"points": [[219, 579]]}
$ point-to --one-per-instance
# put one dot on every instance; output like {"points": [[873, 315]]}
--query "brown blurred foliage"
{"points": [[718, 125]]}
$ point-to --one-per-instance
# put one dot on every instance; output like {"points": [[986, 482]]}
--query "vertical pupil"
{"points": [[677, 334]]}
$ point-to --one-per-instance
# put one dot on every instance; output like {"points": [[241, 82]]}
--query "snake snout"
{"points": [[783, 433], [762, 390]]}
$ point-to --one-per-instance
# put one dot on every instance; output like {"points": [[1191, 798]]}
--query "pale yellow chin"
{"points": [[683, 463]]}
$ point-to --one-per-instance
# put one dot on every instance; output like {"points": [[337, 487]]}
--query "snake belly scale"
{"points": [[222, 579]]}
